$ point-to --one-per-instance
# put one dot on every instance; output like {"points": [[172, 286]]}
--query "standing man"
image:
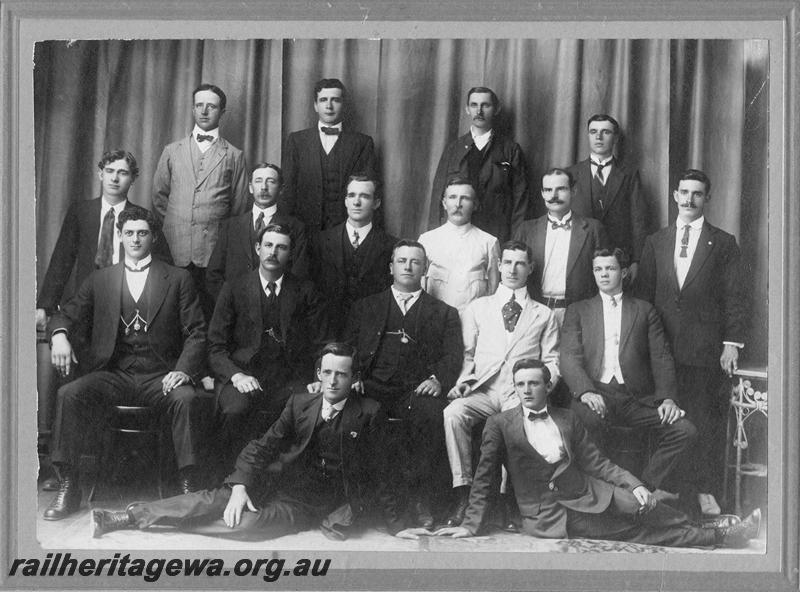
{"points": [[318, 161], [409, 346], [351, 258], [691, 272], [147, 344], [234, 254], [617, 364], [563, 243], [200, 181], [261, 342], [494, 164], [498, 330], [610, 191]]}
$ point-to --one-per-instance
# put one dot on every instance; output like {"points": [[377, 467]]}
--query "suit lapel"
{"points": [[288, 301], [114, 295], [158, 283], [309, 416], [214, 156], [335, 244], [629, 313], [539, 238], [705, 244], [464, 144], [350, 421], [242, 227], [372, 250], [667, 253], [576, 240], [566, 438], [184, 152], [584, 181], [613, 184], [254, 304], [526, 318]]}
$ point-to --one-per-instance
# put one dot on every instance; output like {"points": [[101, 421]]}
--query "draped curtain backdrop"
{"points": [[681, 103]]}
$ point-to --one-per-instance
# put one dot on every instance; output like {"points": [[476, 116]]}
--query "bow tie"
{"points": [[533, 415], [205, 138], [330, 131], [137, 269], [566, 225]]}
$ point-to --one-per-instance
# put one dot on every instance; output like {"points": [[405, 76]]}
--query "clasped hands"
{"points": [[668, 412]]}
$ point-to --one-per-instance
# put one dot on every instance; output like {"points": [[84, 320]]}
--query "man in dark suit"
{"points": [[147, 345], [564, 485], [494, 164], [691, 272], [266, 327], [410, 353], [325, 455], [563, 243], [200, 181], [351, 259], [318, 161], [616, 362], [610, 191], [234, 254]]}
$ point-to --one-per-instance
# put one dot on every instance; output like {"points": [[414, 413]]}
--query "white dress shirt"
{"points": [[544, 436], [409, 303], [205, 144], [480, 140], [104, 207], [682, 264], [606, 169], [330, 410], [362, 232], [136, 279], [265, 282], [268, 212], [556, 252], [328, 140], [612, 328]]}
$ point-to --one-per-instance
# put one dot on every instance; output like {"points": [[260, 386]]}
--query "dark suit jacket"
{"points": [[624, 215], [235, 252], [438, 333], [302, 172], [644, 356], [587, 234], [362, 445], [177, 328], [584, 481], [76, 248], [713, 303], [502, 186], [329, 272], [234, 335]]}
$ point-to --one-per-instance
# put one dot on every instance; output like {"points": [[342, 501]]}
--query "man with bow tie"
{"points": [[200, 181], [563, 243], [147, 346], [609, 190], [497, 330], [317, 162]]}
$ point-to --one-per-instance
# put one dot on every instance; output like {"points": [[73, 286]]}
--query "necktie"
{"points": [[105, 248], [533, 415], [271, 295], [598, 174], [685, 242], [204, 138], [511, 311], [329, 414], [259, 223], [355, 239], [404, 298], [330, 131], [614, 302], [565, 225]]}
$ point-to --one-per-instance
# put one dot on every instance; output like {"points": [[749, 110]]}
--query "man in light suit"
{"points": [[493, 163], [497, 330], [562, 243], [200, 181], [616, 362], [564, 485], [318, 161], [147, 346], [691, 272], [610, 191], [234, 254]]}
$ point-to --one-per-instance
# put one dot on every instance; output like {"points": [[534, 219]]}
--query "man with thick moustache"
{"points": [[691, 272], [234, 254], [200, 181], [267, 324], [325, 456], [563, 243], [318, 161], [497, 330], [147, 345], [493, 163], [564, 485], [410, 348], [617, 364], [610, 191], [350, 259]]}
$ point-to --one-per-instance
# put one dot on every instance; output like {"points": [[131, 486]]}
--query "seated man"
{"points": [[329, 449], [462, 258], [617, 364], [266, 327], [498, 330], [147, 344], [564, 485], [409, 348]]}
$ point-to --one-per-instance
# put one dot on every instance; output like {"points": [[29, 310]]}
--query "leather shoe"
{"points": [[68, 498], [662, 495], [739, 535], [708, 505], [457, 516], [188, 480], [104, 521], [422, 512]]}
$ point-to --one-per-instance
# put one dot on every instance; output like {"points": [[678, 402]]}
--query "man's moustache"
{"points": [[556, 201]]}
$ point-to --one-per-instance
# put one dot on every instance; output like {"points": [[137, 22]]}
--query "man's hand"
{"points": [[645, 498], [456, 532], [236, 504], [244, 383], [669, 412], [413, 533], [595, 402], [729, 360], [460, 390], [173, 380], [41, 319], [61, 355], [314, 387], [429, 388]]}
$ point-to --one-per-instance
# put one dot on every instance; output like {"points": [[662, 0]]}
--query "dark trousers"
{"points": [[87, 399], [206, 299], [625, 409]]}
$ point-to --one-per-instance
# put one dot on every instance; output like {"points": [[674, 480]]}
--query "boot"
{"points": [[462, 503], [68, 498], [739, 535], [104, 521], [188, 479], [422, 512]]}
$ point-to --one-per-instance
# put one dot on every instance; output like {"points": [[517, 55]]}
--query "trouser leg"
{"points": [[460, 416], [184, 410]]}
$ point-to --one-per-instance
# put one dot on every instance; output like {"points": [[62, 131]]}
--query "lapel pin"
{"points": [[354, 434]]}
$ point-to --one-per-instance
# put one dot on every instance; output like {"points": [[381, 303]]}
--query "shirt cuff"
{"points": [[734, 343]]}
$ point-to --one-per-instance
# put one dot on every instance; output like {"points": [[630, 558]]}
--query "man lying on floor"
{"points": [[328, 448], [566, 488]]}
